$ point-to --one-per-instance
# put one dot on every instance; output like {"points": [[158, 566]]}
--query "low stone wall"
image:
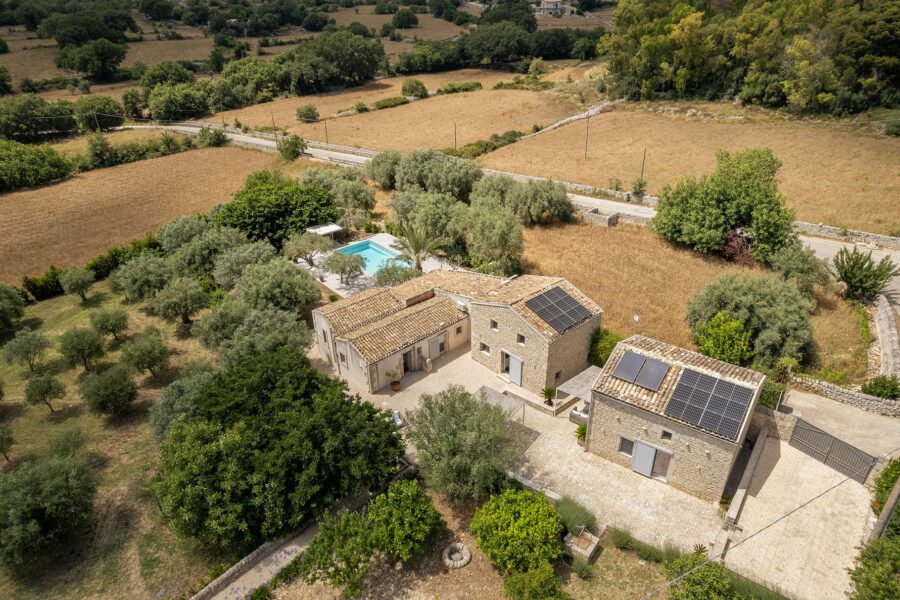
{"points": [[872, 404], [848, 235], [237, 569], [888, 337], [776, 424], [634, 220], [598, 218]]}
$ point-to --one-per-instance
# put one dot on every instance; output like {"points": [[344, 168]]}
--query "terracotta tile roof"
{"points": [[679, 359], [517, 292], [360, 309], [463, 283], [390, 334]]}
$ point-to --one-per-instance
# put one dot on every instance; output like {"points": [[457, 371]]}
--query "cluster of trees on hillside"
{"points": [[836, 57]]}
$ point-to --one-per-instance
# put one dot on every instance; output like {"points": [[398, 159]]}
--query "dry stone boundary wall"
{"points": [[888, 337]]}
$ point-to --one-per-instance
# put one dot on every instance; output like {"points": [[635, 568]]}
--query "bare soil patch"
{"points": [[829, 174], [629, 271], [70, 222], [430, 123]]}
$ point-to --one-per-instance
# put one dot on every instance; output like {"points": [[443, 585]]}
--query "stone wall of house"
{"points": [[509, 325], [700, 463], [568, 354], [847, 235], [888, 337], [873, 404]]}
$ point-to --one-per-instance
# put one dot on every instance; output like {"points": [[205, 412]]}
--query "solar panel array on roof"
{"points": [[713, 404], [640, 370], [558, 309]]}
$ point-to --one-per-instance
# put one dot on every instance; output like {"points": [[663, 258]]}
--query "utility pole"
{"points": [[643, 160], [274, 131], [325, 122], [454, 135], [587, 125]]}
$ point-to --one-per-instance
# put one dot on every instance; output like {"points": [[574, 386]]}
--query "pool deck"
{"points": [[365, 281]]}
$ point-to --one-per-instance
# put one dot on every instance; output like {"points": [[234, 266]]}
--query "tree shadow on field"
{"points": [[133, 415], [65, 413], [11, 410], [95, 300]]}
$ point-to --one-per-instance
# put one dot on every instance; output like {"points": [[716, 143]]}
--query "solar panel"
{"points": [[558, 309], [652, 374], [629, 366], [713, 404]]}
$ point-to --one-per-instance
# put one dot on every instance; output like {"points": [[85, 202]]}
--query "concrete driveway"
{"points": [[806, 555], [875, 434]]}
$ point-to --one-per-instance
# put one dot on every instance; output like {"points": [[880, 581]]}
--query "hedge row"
{"points": [[390, 102], [462, 86]]}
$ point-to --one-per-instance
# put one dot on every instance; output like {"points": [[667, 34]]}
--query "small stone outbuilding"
{"points": [[672, 414]]}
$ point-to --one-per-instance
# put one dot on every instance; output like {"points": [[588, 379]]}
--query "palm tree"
{"points": [[416, 245]]}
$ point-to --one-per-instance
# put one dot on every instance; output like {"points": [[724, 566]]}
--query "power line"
{"points": [[759, 531]]}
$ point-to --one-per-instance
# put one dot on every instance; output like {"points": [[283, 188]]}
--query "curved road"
{"points": [[824, 248]]}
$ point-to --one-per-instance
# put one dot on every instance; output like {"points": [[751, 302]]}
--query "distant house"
{"points": [[553, 8], [672, 414], [533, 331]]}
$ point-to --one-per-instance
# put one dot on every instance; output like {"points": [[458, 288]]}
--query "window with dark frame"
{"points": [[494, 325], [459, 330], [520, 339], [485, 348], [626, 447], [666, 435]]}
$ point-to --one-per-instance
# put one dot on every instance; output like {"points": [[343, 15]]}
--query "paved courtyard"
{"points": [[805, 556]]}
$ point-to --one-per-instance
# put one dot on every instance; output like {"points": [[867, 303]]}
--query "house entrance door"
{"points": [[650, 461], [515, 369]]}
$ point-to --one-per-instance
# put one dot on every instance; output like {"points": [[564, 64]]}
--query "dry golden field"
{"points": [[78, 145], [830, 174], [429, 27], [430, 123], [629, 270], [283, 110], [70, 222]]}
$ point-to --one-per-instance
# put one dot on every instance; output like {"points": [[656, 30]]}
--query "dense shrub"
{"points": [[28, 117], [709, 582], [775, 313], [271, 443], [45, 286], [22, 165], [12, 307], [876, 575], [402, 521], [173, 102], [104, 264], [308, 113], [212, 137], [394, 273], [414, 88], [883, 387], [382, 168], [518, 530], [539, 583], [390, 102], [771, 393], [800, 265], [724, 339], [111, 392], [603, 342], [460, 86], [291, 147], [98, 113], [42, 504]]}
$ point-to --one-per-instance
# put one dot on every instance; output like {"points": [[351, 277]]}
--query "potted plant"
{"points": [[549, 395], [581, 432], [395, 380]]}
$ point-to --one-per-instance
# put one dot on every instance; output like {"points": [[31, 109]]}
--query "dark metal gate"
{"points": [[837, 454]]}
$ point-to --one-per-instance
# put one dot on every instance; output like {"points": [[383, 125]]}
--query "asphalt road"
{"points": [[824, 248]]}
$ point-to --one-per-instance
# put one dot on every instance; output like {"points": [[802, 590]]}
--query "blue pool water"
{"points": [[375, 255]]}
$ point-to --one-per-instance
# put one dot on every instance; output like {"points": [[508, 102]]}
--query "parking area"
{"points": [[806, 555]]}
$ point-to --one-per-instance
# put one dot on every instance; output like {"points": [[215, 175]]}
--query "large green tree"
{"points": [[278, 284], [271, 443], [271, 207], [26, 348]]}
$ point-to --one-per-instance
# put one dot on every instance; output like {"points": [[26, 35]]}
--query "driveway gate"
{"points": [[837, 454]]}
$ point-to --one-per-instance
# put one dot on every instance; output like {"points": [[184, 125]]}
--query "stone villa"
{"points": [[533, 331], [672, 414]]}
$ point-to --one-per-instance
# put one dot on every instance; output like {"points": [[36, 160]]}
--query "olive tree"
{"points": [[230, 265], [147, 351], [382, 168], [278, 283], [180, 299], [142, 277], [353, 198], [265, 331], [6, 440], [178, 232], [77, 280], [198, 256], [306, 246], [26, 348], [111, 392], [110, 321], [44, 389], [494, 239], [345, 266], [435, 171], [221, 322], [177, 400], [80, 345]]}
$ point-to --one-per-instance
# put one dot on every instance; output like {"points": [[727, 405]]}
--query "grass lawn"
{"points": [[630, 271], [129, 553], [831, 174]]}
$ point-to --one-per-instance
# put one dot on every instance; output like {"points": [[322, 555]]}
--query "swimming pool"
{"points": [[375, 255]]}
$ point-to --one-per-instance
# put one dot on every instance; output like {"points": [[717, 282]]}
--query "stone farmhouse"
{"points": [[554, 8], [672, 414], [533, 331]]}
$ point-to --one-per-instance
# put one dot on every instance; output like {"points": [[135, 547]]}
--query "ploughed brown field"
{"points": [[829, 175], [69, 223], [630, 271]]}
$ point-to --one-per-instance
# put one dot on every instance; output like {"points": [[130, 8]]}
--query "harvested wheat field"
{"points": [[429, 123], [33, 59], [71, 222], [429, 27], [829, 175], [629, 270], [284, 110], [78, 145]]}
